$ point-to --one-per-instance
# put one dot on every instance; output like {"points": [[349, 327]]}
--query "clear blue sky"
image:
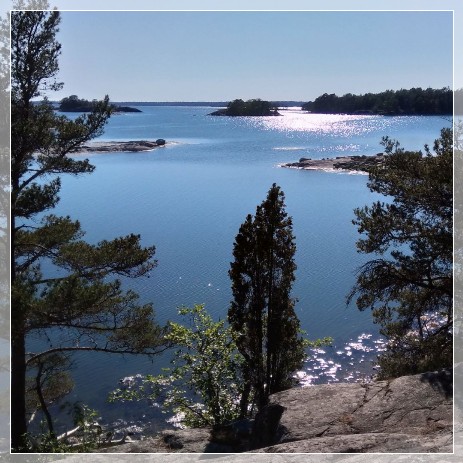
{"points": [[208, 56]]}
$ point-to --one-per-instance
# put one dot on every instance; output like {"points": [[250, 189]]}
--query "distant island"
{"points": [[215, 104], [74, 104], [416, 101], [255, 107]]}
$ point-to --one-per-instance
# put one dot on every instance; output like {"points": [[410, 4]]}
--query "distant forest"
{"points": [[415, 101], [218, 104]]}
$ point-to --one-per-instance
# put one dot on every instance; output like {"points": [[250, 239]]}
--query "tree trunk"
{"points": [[244, 401], [18, 354], [18, 390], [43, 404]]}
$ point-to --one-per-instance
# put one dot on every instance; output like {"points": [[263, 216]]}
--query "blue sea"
{"points": [[189, 198]]}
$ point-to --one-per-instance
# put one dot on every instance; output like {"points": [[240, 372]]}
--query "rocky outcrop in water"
{"points": [[341, 163], [411, 414], [121, 146]]}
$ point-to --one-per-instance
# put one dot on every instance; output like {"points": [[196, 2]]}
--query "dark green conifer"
{"points": [[75, 304], [262, 311], [409, 283]]}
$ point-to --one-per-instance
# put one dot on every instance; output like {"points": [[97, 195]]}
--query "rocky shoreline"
{"points": [[122, 146], [410, 414], [357, 164]]}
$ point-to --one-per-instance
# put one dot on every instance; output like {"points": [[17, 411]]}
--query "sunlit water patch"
{"points": [[353, 361], [318, 135], [336, 125]]}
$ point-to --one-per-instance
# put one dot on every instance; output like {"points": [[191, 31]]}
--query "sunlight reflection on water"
{"points": [[351, 362], [334, 124]]}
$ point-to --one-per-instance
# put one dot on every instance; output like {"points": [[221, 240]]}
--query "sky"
{"points": [[280, 55]]}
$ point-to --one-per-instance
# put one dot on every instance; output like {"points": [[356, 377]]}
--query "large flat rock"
{"points": [[415, 405]]}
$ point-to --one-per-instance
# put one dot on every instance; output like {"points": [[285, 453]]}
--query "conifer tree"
{"points": [[262, 311], [409, 283], [79, 305]]}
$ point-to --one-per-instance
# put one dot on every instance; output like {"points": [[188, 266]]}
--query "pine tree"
{"points": [[262, 313], [79, 299], [409, 283]]}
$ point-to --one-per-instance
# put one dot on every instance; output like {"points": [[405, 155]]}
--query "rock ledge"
{"points": [[411, 414]]}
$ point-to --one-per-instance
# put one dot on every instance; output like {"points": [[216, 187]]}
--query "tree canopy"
{"points": [[75, 104], [400, 102], [76, 302], [409, 285], [254, 107], [262, 311], [203, 385]]}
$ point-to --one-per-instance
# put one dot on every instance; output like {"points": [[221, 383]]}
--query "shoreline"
{"points": [[353, 164], [357, 418], [348, 362], [132, 146]]}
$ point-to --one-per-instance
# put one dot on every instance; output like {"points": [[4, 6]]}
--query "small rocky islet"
{"points": [[358, 164], [355, 163], [134, 146]]}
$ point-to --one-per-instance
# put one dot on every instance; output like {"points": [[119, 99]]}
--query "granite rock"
{"points": [[411, 414]]}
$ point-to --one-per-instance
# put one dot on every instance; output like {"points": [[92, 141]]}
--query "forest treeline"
{"points": [[415, 101]]}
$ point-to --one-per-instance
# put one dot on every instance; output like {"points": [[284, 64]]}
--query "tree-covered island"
{"points": [[74, 104], [416, 101], [254, 107]]}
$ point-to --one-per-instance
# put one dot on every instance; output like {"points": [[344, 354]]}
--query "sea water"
{"points": [[189, 198]]}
